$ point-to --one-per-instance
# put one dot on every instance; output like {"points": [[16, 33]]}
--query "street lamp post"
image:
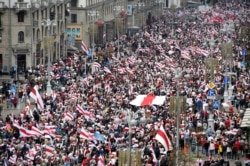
{"points": [[117, 12], [132, 120], [212, 70], [228, 54], [93, 14], [48, 23], [178, 101]]}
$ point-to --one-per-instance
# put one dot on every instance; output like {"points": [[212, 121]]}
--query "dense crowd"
{"points": [[77, 124]]}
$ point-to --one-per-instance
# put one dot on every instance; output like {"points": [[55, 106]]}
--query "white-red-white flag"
{"points": [[34, 94], [49, 150], [68, 116], [26, 133], [86, 135], [162, 137], [36, 130], [31, 154], [101, 161], [85, 47], [49, 129], [53, 95], [106, 69], [12, 159], [145, 100]]}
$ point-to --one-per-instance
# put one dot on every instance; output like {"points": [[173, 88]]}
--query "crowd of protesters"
{"points": [[90, 97]]}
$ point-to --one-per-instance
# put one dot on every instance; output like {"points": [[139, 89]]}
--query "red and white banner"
{"points": [[86, 135], [53, 95], [49, 129], [49, 150], [106, 69], [31, 154], [101, 161], [68, 116], [26, 133], [85, 47], [36, 130], [162, 137], [12, 159], [144, 100], [34, 94], [87, 114]]}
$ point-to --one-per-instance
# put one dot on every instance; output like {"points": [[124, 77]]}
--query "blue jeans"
{"points": [[212, 152], [203, 150], [187, 140]]}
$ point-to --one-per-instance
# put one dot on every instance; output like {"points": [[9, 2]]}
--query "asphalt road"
{"points": [[21, 105]]}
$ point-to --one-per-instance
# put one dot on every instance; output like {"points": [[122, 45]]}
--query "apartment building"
{"points": [[98, 21], [27, 36]]}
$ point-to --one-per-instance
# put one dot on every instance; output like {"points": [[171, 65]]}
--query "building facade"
{"points": [[98, 21], [24, 32]]}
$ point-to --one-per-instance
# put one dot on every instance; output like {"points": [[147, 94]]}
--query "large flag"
{"points": [[162, 137], [85, 48], [145, 100], [34, 94]]}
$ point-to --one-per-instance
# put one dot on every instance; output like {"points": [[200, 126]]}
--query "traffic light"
{"points": [[52, 16]]}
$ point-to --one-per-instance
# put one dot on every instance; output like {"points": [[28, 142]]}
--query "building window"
{"points": [[20, 0], [1, 37], [73, 18], [21, 37], [73, 3], [20, 16]]}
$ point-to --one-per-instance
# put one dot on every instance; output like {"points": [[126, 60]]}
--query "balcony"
{"points": [[2, 7], [21, 6]]}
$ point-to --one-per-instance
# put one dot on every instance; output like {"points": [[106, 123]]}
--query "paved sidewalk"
{"points": [[8, 78], [12, 110]]}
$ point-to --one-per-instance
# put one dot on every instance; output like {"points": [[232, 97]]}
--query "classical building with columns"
{"points": [[24, 34]]}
